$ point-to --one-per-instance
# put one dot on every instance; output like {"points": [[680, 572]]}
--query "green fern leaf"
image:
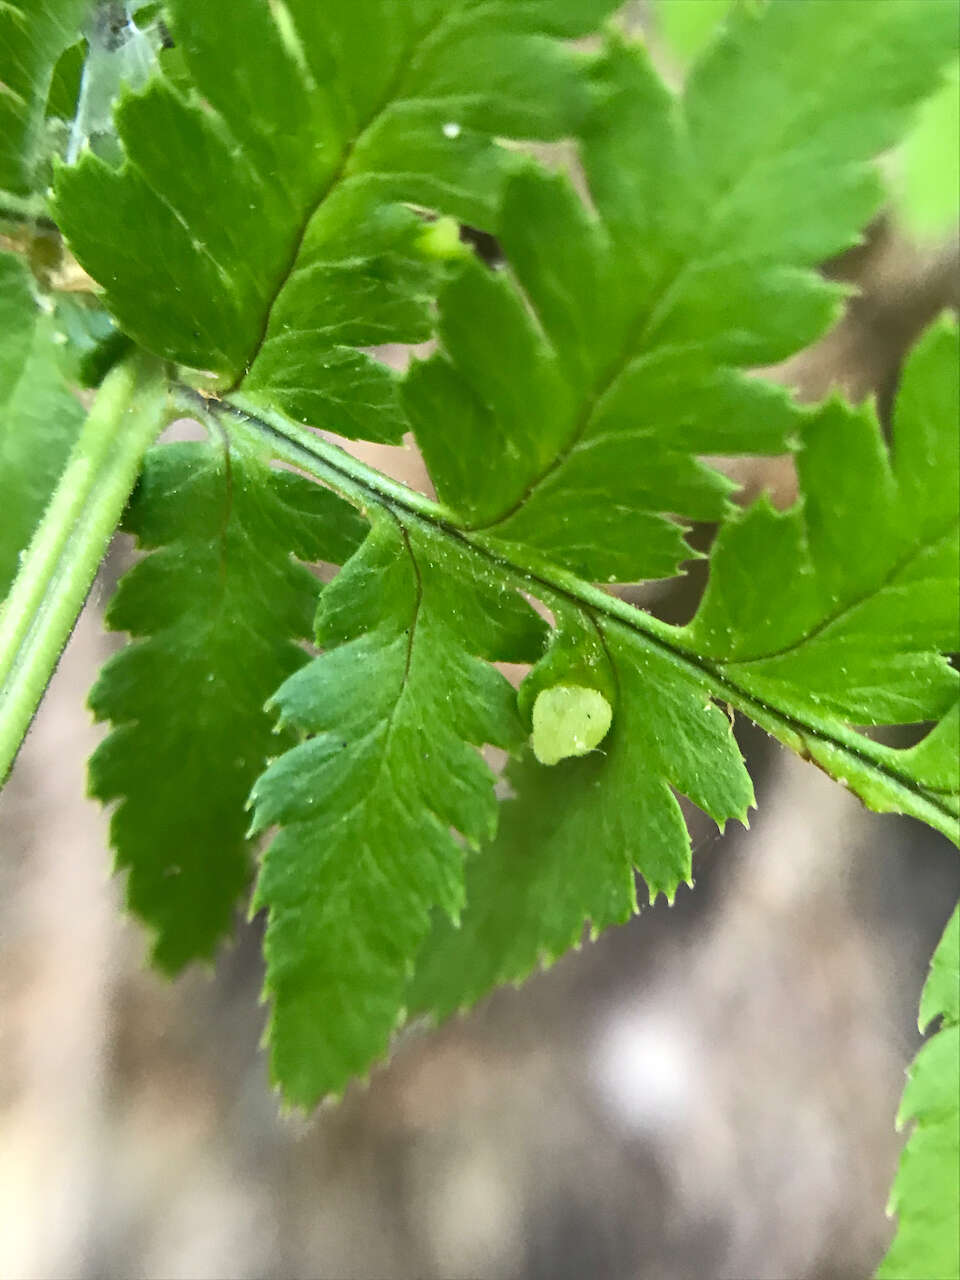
{"points": [[564, 418], [518, 372], [571, 840], [311, 134], [845, 604], [863, 610], [846, 607], [926, 1192], [369, 801], [622, 359], [213, 611]]}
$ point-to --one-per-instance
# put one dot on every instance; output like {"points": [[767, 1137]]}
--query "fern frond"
{"points": [[564, 417]]}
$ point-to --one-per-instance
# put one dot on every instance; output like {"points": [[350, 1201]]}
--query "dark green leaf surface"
{"points": [[573, 835], [369, 802], [213, 612], [256, 230], [39, 417], [622, 360], [848, 604], [926, 1192], [33, 34]]}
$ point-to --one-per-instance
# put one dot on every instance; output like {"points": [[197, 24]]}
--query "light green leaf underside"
{"points": [[39, 417], [847, 605], [620, 357], [926, 1191], [369, 802], [32, 37], [311, 131], [213, 611]]}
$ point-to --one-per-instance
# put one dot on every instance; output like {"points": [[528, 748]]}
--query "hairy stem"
{"points": [[59, 566]]}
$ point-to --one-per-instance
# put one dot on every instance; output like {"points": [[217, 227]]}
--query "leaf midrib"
{"points": [[330, 183], [360, 483], [848, 607], [643, 328]]}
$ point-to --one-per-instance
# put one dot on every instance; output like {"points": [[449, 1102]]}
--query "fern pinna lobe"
{"points": [[33, 36], [368, 803], [213, 611]]}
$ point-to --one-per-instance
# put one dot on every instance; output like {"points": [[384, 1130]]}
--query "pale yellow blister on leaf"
{"points": [[569, 720]]}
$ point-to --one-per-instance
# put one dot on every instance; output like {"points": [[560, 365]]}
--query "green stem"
{"points": [[875, 772], [60, 564]]}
